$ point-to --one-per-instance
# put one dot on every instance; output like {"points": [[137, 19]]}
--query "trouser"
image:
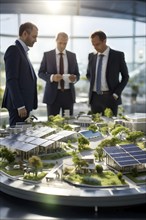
{"points": [[14, 117], [62, 102], [100, 102]]}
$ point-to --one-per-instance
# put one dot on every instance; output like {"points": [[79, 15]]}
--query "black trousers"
{"points": [[63, 102], [100, 102]]}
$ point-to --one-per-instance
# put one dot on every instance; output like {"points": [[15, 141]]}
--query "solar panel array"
{"points": [[28, 140], [31, 138], [126, 155]]}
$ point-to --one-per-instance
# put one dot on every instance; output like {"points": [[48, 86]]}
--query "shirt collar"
{"points": [[106, 52], [25, 47], [58, 52]]}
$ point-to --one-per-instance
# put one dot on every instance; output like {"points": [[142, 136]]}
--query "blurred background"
{"points": [[124, 22]]}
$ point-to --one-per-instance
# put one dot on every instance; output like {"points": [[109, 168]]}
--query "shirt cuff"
{"points": [[51, 78], [115, 96], [20, 108]]}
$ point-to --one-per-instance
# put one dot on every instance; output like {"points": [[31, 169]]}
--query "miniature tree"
{"points": [[98, 153], [92, 127], [36, 164], [7, 154], [58, 120], [108, 113], [134, 135], [82, 142], [119, 129], [67, 127], [78, 162], [97, 117]]}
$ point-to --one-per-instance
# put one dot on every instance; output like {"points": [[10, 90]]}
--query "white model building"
{"points": [[135, 122]]}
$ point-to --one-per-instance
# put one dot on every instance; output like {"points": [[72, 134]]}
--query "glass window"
{"points": [[84, 26], [9, 24], [140, 28], [140, 49], [49, 25], [82, 47], [5, 42], [124, 45]]}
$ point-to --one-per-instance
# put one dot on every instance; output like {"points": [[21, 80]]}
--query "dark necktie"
{"points": [[61, 70], [99, 70]]}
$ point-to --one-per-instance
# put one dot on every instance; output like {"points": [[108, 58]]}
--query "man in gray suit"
{"points": [[20, 96], [56, 97], [113, 78]]}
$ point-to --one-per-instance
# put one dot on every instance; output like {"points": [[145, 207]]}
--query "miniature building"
{"points": [[90, 159], [124, 158], [135, 121], [75, 127], [36, 141], [84, 120], [3, 133]]}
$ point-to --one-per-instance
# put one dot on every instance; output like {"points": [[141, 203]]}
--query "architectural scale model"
{"points": [[56, 187]]}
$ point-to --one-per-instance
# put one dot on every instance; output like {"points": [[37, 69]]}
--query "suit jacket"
{"points": [[21, 86], [48, 67], [116, 66]]}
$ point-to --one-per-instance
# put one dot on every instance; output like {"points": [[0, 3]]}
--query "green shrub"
{"points": [[91, 181], [120, 175], [99, 169]]}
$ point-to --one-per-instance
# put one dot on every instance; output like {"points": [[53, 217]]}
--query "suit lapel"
{"points": [[52, 58], [23, 53], [109, 63], [69, 61], [93, 58]]}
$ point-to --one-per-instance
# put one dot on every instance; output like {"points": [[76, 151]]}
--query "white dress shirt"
{"points": [[66, 74], [104, 86]]}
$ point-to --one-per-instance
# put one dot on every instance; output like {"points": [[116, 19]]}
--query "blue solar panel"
{"points": [[38, 141], [130, 148], [119, 159], [142, 160], [128, 163], [22, 137], [127, 155], [127, 146], [113, 150], [140, 157], [115, 155], [138, 153]]}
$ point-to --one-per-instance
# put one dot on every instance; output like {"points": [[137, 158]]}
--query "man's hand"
{"points": [[72, 77], [57, 77], [22, 112]]}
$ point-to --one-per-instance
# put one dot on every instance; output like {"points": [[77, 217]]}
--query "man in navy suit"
{"points": [[20, 95], [55, 97], [114, 75]]}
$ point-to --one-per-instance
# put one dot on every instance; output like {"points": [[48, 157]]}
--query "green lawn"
{"points": [[107, 178]]}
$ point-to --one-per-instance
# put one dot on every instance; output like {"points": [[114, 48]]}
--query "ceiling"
{"points": [[125, 9]]}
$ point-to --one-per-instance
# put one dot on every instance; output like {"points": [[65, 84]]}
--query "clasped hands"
{"points": [[57, 77]]}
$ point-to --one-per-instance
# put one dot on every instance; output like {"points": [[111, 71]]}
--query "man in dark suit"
{"points": [[57, 96], [20, 95], [113, 79]]}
